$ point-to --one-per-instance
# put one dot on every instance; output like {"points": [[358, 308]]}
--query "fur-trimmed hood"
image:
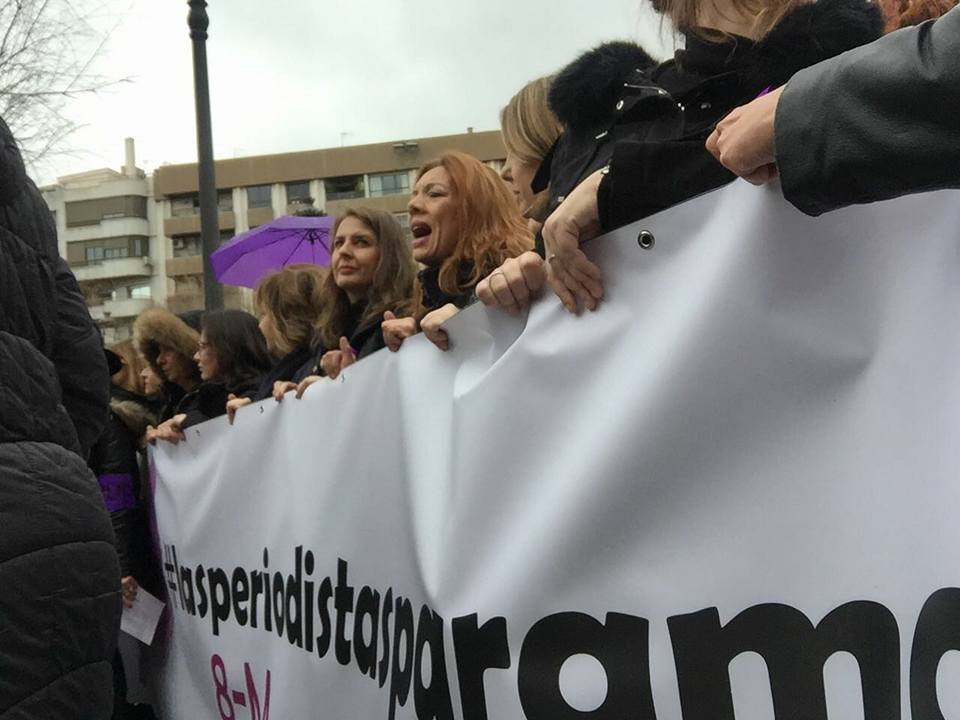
{"points": [[584, 91], [156, 328]]}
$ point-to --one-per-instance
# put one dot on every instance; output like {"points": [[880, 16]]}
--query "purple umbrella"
{"points": [[289, 239]]}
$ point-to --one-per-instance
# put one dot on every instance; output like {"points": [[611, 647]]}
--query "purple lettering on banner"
{"points": [[118, 493]]}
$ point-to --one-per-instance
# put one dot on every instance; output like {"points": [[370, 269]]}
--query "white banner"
{"points": [[731, 493]]}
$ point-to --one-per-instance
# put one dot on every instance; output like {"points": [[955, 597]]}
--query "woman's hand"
{"points": [[149, 436], [513, 285], [573, 278], [305, 383], [396, 330], [333, 362], [743, 141], [433, 320], [128, 590], [171, 430], [281, 388], [234, 403]]}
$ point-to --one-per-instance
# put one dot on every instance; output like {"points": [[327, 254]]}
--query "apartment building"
{"points": [[134, 241], [106, 231], [255, 190]]}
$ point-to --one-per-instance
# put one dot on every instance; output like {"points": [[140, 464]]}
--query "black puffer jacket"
{"points": [[651, 127], [59, 576]]}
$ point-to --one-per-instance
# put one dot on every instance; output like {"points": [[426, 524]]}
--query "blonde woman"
{"points": [[289, 302], [529, 129]]}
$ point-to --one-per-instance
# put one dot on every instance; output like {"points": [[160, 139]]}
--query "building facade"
{"points": [[134, 241]]}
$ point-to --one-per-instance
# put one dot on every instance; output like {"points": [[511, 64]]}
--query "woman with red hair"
{"points": [[904, 13], [465, 223]]}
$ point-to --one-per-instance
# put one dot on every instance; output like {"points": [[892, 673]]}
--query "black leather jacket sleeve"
{"points": [[875, 123]]}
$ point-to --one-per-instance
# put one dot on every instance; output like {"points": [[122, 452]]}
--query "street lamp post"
{"points": [[209, 226]]}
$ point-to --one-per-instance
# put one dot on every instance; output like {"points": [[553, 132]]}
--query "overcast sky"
{"points": [[290, 75]]}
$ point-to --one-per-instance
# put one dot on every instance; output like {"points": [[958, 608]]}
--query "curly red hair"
{"points": [[903, 13]]}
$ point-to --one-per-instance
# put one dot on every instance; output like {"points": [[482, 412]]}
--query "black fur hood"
{"points": [[585, 90]]}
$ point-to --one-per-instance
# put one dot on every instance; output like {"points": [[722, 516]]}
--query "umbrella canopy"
{"points": [[289, 239]]}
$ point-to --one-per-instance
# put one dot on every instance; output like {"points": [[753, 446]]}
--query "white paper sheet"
{"points": [[141, 620]]}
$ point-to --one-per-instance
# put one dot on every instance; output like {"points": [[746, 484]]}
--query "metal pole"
{"points": [[209, 226]]}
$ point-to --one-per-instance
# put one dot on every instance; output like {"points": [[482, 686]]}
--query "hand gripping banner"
{"points": [[731, 493]]}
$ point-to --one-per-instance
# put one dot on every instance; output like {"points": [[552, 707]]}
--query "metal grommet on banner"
{"points": [[646, 240]]}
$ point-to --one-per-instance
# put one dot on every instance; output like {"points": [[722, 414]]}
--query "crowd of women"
{"points": [[611, 138]]}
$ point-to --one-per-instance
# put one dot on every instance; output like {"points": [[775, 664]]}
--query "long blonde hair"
{"points": [[394, 281], [132, 365], [530, 129], [766, 14], [293, 299], [491, 226]]}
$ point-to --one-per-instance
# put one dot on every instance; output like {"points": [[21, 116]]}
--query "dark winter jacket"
{"points": [[115, 460], [875, 123], [59, 576], [365, 337], [209, 399], [292, 367], [651, 128], [434, 297]]}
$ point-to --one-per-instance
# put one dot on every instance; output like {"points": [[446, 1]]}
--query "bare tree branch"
{"points": [[47, 55]]}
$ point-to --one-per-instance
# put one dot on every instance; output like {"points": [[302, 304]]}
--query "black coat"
{"points": [[59, 575], [292, 367], [364, 336], [434, 297], [208, 400], [115, 461], [876, 123], [650, 130]]}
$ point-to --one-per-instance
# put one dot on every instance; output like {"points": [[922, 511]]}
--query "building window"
{"points": [[91, 212], [298, 192], [97, 251], [140, 292], [185, 205], [186, 246], [396, 183], [225, 200], [347, 187], [404, 220], [258, 196]]}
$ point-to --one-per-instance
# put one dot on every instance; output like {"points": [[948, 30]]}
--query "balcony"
{"points": [[184, 301], [189, 265], [259, 216], [194, 300], [108, 227], [113, 269], [190, 224], [119, 309]]}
